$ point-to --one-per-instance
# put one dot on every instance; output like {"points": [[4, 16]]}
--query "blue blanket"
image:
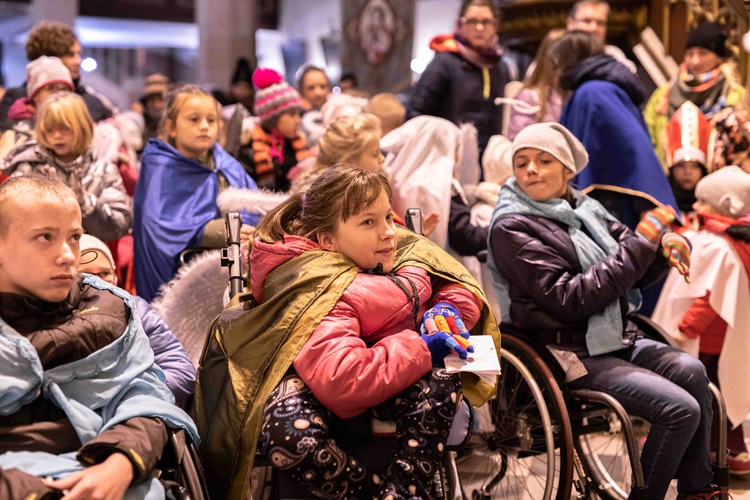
{"points": [[174, 199]]}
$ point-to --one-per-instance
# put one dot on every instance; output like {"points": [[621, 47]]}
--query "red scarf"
{"points": [[266, 147], [718, 224], [480, 56]]}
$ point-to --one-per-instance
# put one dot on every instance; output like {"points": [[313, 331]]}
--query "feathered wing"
{"points": [[251, 200], [192, 299]]}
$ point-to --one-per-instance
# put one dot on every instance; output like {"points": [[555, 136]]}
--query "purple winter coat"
{"points": [[549, 290], [169, 354]]}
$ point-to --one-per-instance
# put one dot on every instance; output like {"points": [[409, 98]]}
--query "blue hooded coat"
{"points": [[624, 173], [174, 199]]}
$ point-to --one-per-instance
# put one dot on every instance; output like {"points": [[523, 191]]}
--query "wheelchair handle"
{"points": [[413, 220], [230, 256]]}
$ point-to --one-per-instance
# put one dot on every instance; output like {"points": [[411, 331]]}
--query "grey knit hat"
{"points": [[44, 71], [88, 243], [555, 140], [727, 190]]}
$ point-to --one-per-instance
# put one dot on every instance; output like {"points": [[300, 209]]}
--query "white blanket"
{"points": [[420, 158], [715, 267]]}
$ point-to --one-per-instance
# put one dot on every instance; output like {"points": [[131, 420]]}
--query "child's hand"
{"points": [[654, 224], [108, 480], [681, 339], [443, 330], [430, 222], [677, 253]]}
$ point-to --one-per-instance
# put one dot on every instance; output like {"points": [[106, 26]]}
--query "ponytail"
{"points": [[284, 220]]}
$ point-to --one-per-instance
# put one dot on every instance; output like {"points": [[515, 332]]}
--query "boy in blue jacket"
{"points": [[83, 405]]}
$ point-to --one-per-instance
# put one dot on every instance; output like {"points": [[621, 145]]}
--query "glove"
{"points": [[654, 224], [444, 331], [677, 253]]}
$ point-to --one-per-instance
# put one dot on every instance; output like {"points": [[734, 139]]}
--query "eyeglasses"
{"points": [[473, 23], [56, 87], [587, 20]]}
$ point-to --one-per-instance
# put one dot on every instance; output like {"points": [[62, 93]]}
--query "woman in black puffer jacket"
{"points": [[466, 75], [565, 272]]}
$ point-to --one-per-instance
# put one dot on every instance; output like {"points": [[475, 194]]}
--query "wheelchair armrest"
{"points": [[651, 329]]}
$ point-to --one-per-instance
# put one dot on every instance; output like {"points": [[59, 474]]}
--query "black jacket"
{"points": [[549, 290], [453, 88], [463, 236]]}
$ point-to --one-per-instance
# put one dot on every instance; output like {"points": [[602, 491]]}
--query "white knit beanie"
{"points": [[46, 70], [497, 160], [727, 190], [88, 243], [555, 140]]}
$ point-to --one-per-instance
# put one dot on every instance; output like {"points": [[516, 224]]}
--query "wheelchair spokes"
{"points": [[520, 450], [603, 449]]}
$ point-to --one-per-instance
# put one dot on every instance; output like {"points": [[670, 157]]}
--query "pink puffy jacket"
{"points": [[366, 350]]}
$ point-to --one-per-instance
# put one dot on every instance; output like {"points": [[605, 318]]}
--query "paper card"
{"points": [[483, 361], [570, 363]]}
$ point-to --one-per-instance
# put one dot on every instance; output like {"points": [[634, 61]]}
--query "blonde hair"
{"points": [[346, 138], [69, 110], [175, 99], [544, 78], [389, 110]]}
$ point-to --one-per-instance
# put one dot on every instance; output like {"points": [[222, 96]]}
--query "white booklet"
{"points": [[483, 361]]}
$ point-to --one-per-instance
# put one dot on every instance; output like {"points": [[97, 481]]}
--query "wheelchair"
{"points": [[374, 452], [538, 439], [180, 469]]}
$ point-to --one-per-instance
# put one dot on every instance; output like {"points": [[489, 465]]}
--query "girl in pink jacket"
{"points": [[366, 358]]}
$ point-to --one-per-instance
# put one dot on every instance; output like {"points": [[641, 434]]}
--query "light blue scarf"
{"points": [[604, 333]]}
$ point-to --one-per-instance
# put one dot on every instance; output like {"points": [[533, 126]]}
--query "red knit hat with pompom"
{"points": [[273, 95]]}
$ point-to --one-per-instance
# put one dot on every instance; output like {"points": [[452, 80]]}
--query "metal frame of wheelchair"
{"points": [[180, 468], [542, 438]]}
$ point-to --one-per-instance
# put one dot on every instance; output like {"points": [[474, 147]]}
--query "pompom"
{"points": [[265, 77]]}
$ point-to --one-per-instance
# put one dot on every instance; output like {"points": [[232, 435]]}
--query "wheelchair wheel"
{"points": [[605, 456], [603, 450], [523, 448]]}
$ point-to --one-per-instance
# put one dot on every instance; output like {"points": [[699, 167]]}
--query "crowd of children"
{"points": [[350, 315]]}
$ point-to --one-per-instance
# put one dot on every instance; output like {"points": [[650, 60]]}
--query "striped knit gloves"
{"points": [[654, 224], [677, 252], [654, 230], [443, 331]]}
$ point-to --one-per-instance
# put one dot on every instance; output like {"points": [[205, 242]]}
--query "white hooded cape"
{"points": [[715, 267]]}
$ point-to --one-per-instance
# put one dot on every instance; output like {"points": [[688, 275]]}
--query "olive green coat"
{"points": [[251, 346]]}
